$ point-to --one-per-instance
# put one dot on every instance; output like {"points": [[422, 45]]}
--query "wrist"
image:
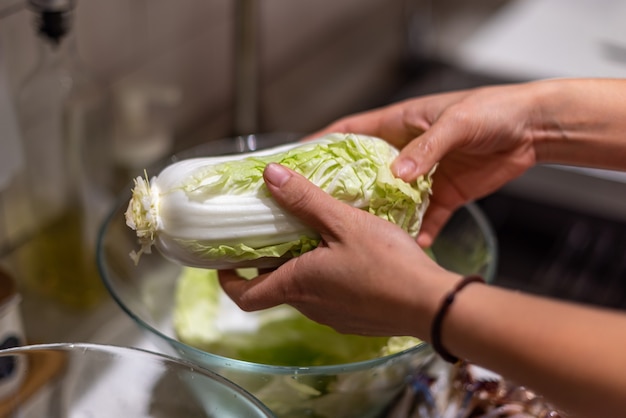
{"points": [[546, 103], [426, 301], [436, 329], [579, 122]]}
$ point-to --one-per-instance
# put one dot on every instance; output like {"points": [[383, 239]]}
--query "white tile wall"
{"points": [[189, 43]]}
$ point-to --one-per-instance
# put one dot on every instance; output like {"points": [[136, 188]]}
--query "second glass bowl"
{"points": [[104, 381]]}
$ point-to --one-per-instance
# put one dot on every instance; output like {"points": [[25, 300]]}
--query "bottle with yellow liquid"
{"points": [[63, 116]]}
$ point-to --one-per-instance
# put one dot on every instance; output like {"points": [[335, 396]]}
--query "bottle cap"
{"points": [[53, 18]]}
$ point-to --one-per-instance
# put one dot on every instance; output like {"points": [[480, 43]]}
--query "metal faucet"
{"points": [[246, 111]]}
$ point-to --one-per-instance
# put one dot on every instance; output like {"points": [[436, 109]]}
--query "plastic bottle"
{"points": [[63, 115]]}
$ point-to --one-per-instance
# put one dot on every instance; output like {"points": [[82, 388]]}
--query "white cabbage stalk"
{"points": [[216, 212]]}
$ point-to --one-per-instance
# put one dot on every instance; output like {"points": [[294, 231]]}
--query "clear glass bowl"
{"points": [[358, 390], [104, 381]]}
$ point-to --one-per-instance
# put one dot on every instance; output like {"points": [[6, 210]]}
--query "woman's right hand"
{"points": [[367, 276]]}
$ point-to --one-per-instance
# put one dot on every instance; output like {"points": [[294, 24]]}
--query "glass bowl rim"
{"points": [[216, 359]]}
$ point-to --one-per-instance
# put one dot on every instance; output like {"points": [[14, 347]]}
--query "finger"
{"points": [[250, 294], [305, 200], [419, 156]]}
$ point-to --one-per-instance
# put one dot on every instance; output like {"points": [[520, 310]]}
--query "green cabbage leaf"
{"points": [[205, 318]]}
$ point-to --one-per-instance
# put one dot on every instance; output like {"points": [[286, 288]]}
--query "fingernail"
{"points": [[404, 168], [276, 174]]}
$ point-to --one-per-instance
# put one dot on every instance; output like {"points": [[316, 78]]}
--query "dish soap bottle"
{"points": [[63, 117]]}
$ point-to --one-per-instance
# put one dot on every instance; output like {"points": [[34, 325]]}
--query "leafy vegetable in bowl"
{"points": [[215, 212], [204, 317]]}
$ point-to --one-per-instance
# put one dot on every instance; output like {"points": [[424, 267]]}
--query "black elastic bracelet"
{"points": [[435, 330]]}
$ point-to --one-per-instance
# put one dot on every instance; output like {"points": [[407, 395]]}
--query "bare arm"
{"points": [[582, 122], [573, 355]]}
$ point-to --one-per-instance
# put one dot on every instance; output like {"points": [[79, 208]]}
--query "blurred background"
{"points": [[173, 74]]}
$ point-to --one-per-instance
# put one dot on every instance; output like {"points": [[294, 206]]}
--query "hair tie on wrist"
{"points": [[435, 330]]}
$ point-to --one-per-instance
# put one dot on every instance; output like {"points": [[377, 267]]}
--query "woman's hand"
{"points": [[485, 137], [481, 139], [367, 277]]}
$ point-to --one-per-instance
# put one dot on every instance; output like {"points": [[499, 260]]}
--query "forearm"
{"points": [[571, 354], [580, 122]]}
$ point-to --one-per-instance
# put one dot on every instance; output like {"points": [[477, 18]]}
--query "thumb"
{"points": [[420, 155], [304, 199]]}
